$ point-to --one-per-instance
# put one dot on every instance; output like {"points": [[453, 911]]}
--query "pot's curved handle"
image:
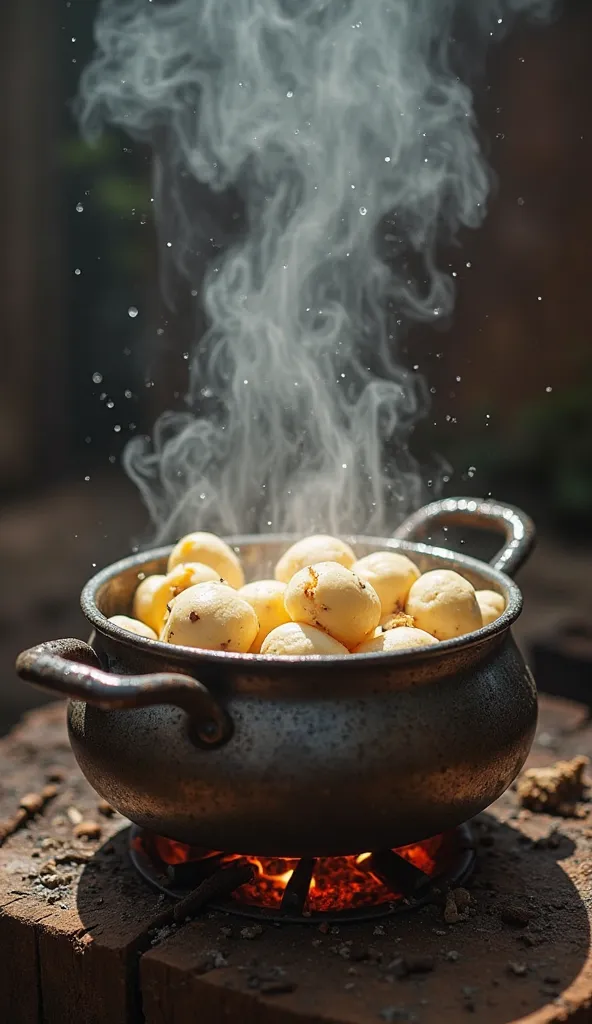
{"points": [[518, 528], [72, 668]]}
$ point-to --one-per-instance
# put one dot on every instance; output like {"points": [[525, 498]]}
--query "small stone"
{"points": [[551, 978], [379, 930], [419, 964], [74, 815], [55, 774], [88, 830], [32, 803], [457, 906], [517, 915], [277, 988], [453, 956], [252, 931], [518, 969], [462, 898], [105, 809], [390, 1014], [226, 931]]}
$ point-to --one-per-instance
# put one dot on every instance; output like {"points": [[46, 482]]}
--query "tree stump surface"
{"points": [[82, 940]]}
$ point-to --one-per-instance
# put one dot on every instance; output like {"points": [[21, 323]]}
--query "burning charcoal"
{"points": [[555, 789]]}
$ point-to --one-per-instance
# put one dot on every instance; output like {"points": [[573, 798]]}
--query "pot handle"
{"points": [[518, 528], [72, 668]]}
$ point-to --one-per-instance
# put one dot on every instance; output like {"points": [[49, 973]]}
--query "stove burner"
{"points": [[360, 888]]}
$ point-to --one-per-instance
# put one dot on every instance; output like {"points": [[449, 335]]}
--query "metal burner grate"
{"points": [[217, 885]]}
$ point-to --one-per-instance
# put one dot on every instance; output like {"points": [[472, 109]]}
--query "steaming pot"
{"points": [[301, 756]]}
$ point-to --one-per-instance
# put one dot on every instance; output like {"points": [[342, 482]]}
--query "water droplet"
{"points": [[520, 201], [79, 207], [97, 378], [78, 271], [289, 94], [110, 404], [132, 311], [548, 390], [363, 211], [87, 478], [540, 298], [127, 393], [169, 245], [186, 355], [117, 428]]}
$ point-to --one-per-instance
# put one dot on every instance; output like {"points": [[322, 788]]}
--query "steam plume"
{"points": [[342, 134]]}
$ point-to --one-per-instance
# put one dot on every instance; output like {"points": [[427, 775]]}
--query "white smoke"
{"points": [[342, 134]]}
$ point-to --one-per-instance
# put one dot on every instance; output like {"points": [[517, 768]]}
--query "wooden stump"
{"points": [[80, 939]]}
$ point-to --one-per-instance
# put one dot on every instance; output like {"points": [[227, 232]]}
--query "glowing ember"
{"points": [[338, 883]]}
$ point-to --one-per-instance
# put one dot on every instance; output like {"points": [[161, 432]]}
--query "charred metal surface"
{"points": [[328, 756]]}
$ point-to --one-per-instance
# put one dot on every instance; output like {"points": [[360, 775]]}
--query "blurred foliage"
{"points": [[545, 452]]}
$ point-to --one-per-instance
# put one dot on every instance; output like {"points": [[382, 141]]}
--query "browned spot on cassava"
{"points": [[309, 587], [194, 616]]}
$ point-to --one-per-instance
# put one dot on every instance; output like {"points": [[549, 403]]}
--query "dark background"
{"points": [[511, 376]]}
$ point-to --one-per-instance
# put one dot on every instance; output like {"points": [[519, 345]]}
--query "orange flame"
{"points": [[338, 883]]}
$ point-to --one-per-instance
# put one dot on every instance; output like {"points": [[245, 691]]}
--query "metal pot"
{"points": [[301, 756]]}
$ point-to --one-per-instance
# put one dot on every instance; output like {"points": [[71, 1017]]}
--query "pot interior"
{"points": [[111, 591]]}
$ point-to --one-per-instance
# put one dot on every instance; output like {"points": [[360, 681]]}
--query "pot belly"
{"points": [[319, 776]]}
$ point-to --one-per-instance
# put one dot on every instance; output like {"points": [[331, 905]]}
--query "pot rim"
{"points": [[255, 663]]}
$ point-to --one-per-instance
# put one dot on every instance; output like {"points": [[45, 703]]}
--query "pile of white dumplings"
{"points": [[323, 601]]}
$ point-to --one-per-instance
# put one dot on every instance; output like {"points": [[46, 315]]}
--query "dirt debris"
{"points": [[556, 789]]}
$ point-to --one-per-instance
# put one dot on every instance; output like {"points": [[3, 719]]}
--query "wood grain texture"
{"points": [[90, 948]]}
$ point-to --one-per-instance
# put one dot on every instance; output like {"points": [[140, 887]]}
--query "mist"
{"points": [[340, 138]]}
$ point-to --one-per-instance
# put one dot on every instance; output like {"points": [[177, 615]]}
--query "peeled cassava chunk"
{"points": [[318, 548], [391, 574], [266, 597], [444, 604], [211, 550], [395, 640], [296, 638], [333, 598], [491, 604], [133, 626], [143, 607], [211, 616], [170, 586]]}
